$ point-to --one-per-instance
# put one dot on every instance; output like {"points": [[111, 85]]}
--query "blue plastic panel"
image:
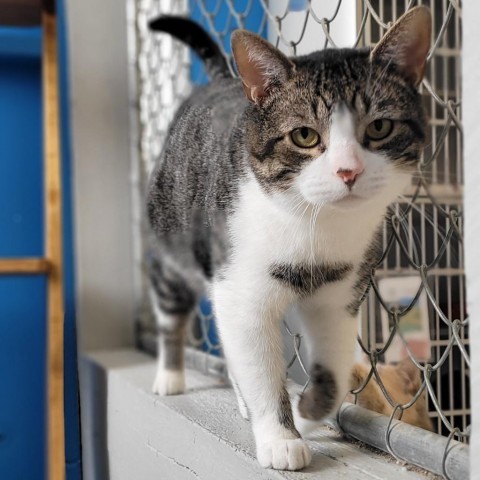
{"points": [[22, 376], [21, 164], [20, 42], [22, 299]]}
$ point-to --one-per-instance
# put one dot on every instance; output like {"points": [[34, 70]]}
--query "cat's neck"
{"points": [[304, 233]]}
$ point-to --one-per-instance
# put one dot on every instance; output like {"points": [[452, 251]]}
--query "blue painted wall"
{"points": [[23, 298]]}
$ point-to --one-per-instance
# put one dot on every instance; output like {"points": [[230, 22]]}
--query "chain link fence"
{"points": [[414, 307]]}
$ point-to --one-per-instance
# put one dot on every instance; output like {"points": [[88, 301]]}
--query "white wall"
{"points": [[99, 89], [101, 158], [471, 121]]}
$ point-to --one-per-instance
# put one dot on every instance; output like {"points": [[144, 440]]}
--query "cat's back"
{"points": [[201, 159]]}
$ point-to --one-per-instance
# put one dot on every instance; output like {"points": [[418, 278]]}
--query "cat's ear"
{"points": [[261, 66], [406, 44]]}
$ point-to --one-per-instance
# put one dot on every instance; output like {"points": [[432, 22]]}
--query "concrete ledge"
{"points": [[199, 435]]}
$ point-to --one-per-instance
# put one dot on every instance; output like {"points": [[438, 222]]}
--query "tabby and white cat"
{"points": [[269, 193]]}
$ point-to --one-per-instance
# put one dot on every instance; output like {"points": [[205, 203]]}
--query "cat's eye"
{"points": [[379, 129], [305, 137]]}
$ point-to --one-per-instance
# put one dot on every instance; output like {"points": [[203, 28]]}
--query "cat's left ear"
{"points": [[406, 44], [261, 66]]}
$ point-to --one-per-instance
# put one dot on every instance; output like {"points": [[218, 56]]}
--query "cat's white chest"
{"points": [[264, 234]]}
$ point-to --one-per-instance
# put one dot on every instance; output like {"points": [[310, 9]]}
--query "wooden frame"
{"points": [[12, 266], [53, 228]]}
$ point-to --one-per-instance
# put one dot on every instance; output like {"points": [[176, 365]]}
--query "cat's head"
{"points": [[339, 127]]}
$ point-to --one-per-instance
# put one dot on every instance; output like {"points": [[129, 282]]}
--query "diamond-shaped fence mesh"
{"points": [[415, 306]]}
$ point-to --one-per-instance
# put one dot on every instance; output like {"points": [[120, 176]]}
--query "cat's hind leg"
{"points": [[170, 375], [174, 304]]}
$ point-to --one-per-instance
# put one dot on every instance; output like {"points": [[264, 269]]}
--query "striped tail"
{"points": [[196, 38]]}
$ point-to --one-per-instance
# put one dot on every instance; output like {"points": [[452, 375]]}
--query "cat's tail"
{"points": [[196, 38]]}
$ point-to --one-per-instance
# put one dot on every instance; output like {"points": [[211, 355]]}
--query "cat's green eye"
{"points": [[305, 137], [379, 129]]}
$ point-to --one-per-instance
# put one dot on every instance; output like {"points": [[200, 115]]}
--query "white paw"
{"points": [[169, 382], [284, 454]]}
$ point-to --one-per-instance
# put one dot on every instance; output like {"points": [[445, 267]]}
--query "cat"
{"points": [[269, 193], [402, 381]]}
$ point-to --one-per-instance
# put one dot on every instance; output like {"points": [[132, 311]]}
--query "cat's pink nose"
{"points": [[349, 177]]}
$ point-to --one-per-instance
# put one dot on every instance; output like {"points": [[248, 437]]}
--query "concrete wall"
{"points": [[103, 205], [101, 158]]}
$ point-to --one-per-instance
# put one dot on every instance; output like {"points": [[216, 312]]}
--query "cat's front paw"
{"points": [[284, 454], [169, 382]]}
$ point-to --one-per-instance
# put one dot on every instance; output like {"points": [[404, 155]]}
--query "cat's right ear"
{"points": [[261, 66], [406, 43]]}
